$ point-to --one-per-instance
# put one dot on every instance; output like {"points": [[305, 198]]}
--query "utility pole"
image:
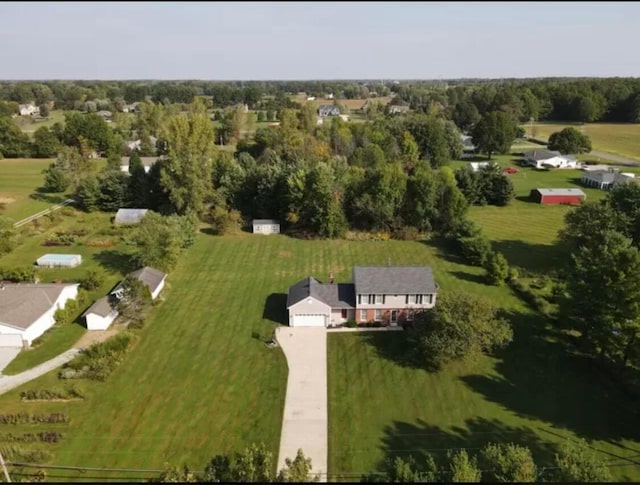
{"points": [[4, 469]]}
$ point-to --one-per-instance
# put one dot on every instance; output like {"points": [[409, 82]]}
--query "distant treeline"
{"points": [[555, 99]]}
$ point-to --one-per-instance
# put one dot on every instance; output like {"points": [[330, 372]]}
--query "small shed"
{"points": [[130, 216], [266, 226], [558, 196], [100, 315], [59, 260]]}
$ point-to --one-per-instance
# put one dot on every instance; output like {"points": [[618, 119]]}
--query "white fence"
{"points": [[42, 213]]}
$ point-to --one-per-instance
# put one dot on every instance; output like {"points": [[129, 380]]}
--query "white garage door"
{"points": [[309, 320]]}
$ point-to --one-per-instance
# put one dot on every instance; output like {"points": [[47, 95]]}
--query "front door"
{"points": [[394, 318]]}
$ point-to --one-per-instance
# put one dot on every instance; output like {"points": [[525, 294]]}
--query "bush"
{"points": [[407, 233], [475, 250], [92, 281], [65, 315], [350, 324], [26, 418], [20, 274], [50, 395]]}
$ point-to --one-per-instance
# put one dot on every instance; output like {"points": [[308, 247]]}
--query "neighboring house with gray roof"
{"points": [[27, 310], [101, 314], [386, 294], [147, 163], [607, 179], [153, 278], [328, 110]]}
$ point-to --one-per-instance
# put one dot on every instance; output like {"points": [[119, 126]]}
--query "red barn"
{"points": [[558, 196]]}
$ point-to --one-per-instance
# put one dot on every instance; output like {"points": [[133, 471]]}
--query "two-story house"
{"points": [[386, 294]]}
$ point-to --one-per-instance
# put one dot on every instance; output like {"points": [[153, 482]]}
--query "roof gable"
{"points": [[22, 304]]}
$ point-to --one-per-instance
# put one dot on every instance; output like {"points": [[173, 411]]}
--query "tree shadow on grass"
{"points": [[540, 377], [394, 346], [402, 439], [444, 249], [473, 278], [48, 197], [116, 261], [275, 308], [532, 257]]}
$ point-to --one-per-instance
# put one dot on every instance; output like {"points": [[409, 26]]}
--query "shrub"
{"points": [[69, 211], [49, 394], [20, 274], [350, 324], [26, 418], [92, 281], [475, 249], [407, 233], [65, 315]]}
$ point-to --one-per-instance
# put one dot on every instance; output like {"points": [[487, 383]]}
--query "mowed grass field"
{"points": [[19, 179], [525, 231], [618, 138]]}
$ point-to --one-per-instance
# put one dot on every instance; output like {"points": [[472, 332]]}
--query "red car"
{"points": [[510, 170]]}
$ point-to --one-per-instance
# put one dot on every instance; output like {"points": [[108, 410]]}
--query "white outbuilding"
{"points": [[266, 226]]}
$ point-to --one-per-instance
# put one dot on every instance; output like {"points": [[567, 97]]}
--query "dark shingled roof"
{"points": [[341, 295], [101, 307], [149, 276], [394, 280]]}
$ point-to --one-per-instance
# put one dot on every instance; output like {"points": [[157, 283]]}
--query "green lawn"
{"points": [[618, 138], [19, 180], [30, 125], [526, 231]]}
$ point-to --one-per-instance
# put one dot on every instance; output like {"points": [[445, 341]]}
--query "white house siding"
{"points": [[98, 322], [266, 228], [309, 306], [46, 321], [395, 302], [336, 316], [157, 291]]}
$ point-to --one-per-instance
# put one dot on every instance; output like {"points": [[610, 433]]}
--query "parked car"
{"points": [[510, 170]]}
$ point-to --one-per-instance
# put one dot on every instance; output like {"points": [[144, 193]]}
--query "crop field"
{"points": [[618, 138]]}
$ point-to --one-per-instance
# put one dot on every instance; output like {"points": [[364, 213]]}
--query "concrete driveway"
{"points": [[305, 422], [7, 354]]}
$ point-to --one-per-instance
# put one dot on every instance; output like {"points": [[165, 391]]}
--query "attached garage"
{"points": [[558, 196], [315, 320]]}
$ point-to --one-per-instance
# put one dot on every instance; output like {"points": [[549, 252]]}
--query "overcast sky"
{"points": [[317, 40]]}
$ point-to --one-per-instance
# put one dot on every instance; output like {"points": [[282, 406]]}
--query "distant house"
{"points": [[135, 145], [386, 294], [328, 110], [398, 109], [558, 196], [28, 110], [607, 179], [477, 166], [147, 163], [106, 115], [344, 117], [100, 315], [265, 226], [311, 98], [330, 96], [27, 310], [130, 108], [130, 216], [467, 143], [541, 159], [153, 278]]}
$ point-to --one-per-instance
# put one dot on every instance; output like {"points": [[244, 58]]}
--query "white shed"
{"points": [[100, 315], [130, 216], [266, 226]]}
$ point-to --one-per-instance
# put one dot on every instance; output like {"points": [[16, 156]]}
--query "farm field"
{"points": [[524, 230], [618, 138], [19, 180]]}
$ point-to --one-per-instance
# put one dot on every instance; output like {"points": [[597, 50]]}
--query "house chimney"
{"points": [[331, 277]]}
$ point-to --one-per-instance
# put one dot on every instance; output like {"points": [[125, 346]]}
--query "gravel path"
{"points": [[11, 382]]}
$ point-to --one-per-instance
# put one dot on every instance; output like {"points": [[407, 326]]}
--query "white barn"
{"points": [[100, 315], [266, 226], [27, 310]]}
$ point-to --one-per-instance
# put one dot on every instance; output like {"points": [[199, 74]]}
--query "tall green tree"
{"points": [[569, 140], [134, 299], [297, 470], [7, 235], [578, 462], [13, 142], [186, 175], [322, 203], [494, 133], [460, 327], [508, 463], [45, 143]]}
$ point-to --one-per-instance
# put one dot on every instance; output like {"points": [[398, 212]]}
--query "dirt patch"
{"points": [[97, 336], [6, 200], [284, 254]]}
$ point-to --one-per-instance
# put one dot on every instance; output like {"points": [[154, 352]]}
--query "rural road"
{"points": [[11, 382]]}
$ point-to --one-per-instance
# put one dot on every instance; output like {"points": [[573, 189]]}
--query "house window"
{"points": [[363, 315], [418, 299], [411, 299], [431, 299], [379, 299], [344, 313], [372, 299], [378, 315]]}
